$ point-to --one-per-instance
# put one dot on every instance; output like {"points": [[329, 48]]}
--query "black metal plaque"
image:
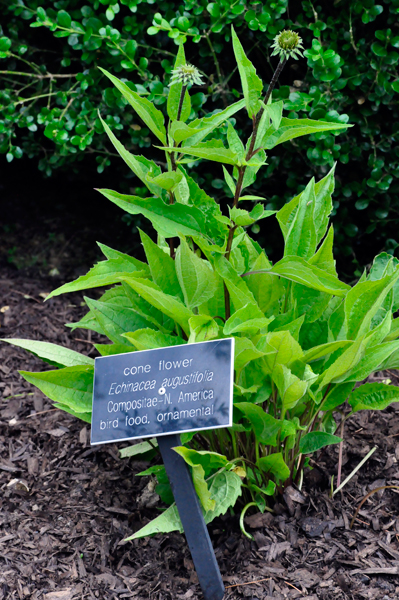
{"points": [[163, 391]]}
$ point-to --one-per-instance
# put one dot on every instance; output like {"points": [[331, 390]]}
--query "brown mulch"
{"points": [[65, 507]]}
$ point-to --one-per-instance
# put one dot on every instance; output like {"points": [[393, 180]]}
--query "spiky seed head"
{"points": [[287, 44], [187, 75]]}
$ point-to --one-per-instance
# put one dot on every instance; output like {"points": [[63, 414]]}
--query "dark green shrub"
{"points": [[351, 53]]}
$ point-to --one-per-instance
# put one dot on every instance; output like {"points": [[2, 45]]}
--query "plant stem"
{"points": [[179, 110], [341, 444], [241, 171]]}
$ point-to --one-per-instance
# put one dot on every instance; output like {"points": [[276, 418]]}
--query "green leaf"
{"points": [[265, 427], [248, 319], [202, 328], [151, 116], [208, 123], [299, 270], [111, 349], [198, 475], [71, 387], [224, 490], [148, 339], [211, 150], [235, 144], [169, 221], [51, 353], [64, 19], [209, 209], [252, 86], [116, 320], [175, 93], [364, 300], [292, 128], [169, 305], [373, 358], [140, 166], [275, 112], [202, 463], [291, 389], [244, 352], [274, 464], [315, 440], [195, 276], [162, 267], [279, 348], [323, 207], [168, 180], [337, 396], [139, 449], [344, 363], [373, 396], [324, 349], [301, 238], [266, 289], [229, 180], [104, 273]]}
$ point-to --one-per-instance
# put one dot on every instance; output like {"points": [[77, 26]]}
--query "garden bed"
{"points": [[61, 525]]}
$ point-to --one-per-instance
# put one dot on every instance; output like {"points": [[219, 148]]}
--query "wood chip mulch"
{"points": [[65, 507]]}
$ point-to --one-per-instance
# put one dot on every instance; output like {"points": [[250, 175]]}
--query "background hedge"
{"points": [[51, 91]]}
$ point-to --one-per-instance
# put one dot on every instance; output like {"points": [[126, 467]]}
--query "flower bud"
{"points": [[287, 44], [187, 75]]}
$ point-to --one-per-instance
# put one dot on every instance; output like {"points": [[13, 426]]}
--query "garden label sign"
{"points": [[163, 393]]}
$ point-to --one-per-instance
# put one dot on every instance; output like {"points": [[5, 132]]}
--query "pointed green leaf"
{"points": [[151, 116], [364, 300], [140, 165], [202, 328], [292, 128], [116, 320], [169, 221], [301, 238], [175, 93], [148, 339], [169, 305], [139, 449], [211, 150], [208, 123], [224, 489], [265, 427], [111, 349], [252, 86], [279, 348], [299, 270], [274, 464], [244, 352], [51, 353], [195, 276], [72, 386], [291, 389], [105, 272], [315, 440], [248, 319], [323, 207], [372, 360], [235, 144], [162, 267], [373, 396], [324, 350], [343, 364]]}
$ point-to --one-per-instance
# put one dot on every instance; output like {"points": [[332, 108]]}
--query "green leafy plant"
{"points": [[303, 338], [50, 90]]}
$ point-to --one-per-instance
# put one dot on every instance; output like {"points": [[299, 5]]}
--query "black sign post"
{"points": [[163, 393]]}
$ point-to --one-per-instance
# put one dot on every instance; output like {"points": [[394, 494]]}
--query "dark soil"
{"points": [[65, 507]]}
